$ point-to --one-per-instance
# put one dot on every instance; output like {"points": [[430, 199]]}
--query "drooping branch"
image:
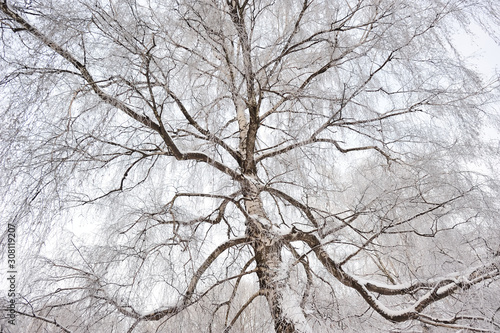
{"points": [[454, 323], [186, 300], [242, 308], [308, 272], [110, 100], [286, 48], [210, 259], [235, 289], [44, 319], [438, 289], [76, 63]]}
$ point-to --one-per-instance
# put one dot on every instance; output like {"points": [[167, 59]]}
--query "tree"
{"points": [[249, 165]]}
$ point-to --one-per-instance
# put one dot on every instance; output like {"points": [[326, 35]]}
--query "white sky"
{"points": [[482, 51]]}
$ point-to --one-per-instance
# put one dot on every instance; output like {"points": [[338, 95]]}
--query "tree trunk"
{"points": [[272, 283], [267, 246]]}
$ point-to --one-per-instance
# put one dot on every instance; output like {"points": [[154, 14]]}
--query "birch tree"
{"points": [[238, 165]]}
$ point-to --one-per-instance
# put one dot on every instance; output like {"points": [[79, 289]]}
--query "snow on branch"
{"points": [[115, 102], [437, 289]]}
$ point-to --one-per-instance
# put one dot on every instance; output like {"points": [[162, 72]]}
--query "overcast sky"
{"points": [[484, 53]]}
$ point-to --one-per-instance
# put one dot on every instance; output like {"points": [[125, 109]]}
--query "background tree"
{"points": [[249, 165]]}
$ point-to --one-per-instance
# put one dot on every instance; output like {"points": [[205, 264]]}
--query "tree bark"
{"points": [[272, 283], [267, 246]]}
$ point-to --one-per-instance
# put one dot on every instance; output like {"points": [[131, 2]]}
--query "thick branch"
{"points": [[439, 288], [81, 67], [196, 156], [315, 140]]}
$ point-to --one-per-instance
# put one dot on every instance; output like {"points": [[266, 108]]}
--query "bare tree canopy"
{"points": [[249, 166]]}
